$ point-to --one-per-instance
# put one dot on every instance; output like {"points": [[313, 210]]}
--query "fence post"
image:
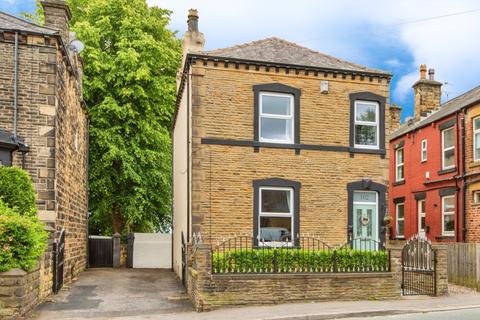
{"points": [[116, 250], [335, 266]]}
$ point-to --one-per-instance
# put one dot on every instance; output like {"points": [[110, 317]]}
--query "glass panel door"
{"points": [[365, 226]]}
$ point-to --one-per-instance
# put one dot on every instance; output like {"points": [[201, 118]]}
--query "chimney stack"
{"points": [[193, 40], [57, 16], [427, 93]]}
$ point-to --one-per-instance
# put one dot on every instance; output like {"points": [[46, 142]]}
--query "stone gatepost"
{"points": [[199, 275], [441, 280]]}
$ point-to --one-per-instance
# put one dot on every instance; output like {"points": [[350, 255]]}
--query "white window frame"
{"points": [[476, 197], [475, 131], [290, 117], [367, 123], [397, 220], [448, 233], [447, 149], [423, 152], [398, 165], [420, 215], [276, 214]]}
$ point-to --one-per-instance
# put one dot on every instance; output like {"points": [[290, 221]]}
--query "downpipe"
{"points": [[15, 87]]}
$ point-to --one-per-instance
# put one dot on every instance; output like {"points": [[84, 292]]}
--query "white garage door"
{"points": [[152, 250]]}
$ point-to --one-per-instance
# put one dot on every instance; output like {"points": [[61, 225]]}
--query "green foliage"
{"points": [[36, 17], [16, 190], [299, 260], [131, 60], [22, 239]]}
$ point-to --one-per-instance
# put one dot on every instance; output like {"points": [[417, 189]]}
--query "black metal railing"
{"points": [[309, 255]]}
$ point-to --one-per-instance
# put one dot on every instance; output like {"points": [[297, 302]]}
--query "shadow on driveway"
{"points": [[117, 292]]}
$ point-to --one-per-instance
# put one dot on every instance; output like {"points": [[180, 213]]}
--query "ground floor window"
{"points": [[421, 218], [276, 214], [476, 197], [448, 215], [276, 211], [400, 220]]}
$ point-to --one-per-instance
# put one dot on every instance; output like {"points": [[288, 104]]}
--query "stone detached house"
{"points": [[44, 126], [434, 166], [274, 140]]}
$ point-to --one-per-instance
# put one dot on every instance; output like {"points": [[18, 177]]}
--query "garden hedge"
{"points": [[299, 260], [16, 190], [22, 239]]}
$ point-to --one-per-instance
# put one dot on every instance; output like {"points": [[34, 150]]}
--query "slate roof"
{"points": [[277, 50], [444, 110], [9, 22], [7, 139]]}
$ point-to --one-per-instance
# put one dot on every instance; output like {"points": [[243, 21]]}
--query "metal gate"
{"points": [[100, 252], [131, 241], [418, 268], [58, 260], [184, 262]]}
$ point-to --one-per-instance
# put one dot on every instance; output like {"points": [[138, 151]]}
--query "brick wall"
{"points": [[222, 193], [472, 167], [53, 122]]}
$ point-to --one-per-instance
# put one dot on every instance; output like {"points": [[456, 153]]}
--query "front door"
{"points": [[421, 219], [365, 220]]}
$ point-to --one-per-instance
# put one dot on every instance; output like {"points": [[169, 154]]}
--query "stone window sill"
{"points": [[445, 171], [398, 183]]}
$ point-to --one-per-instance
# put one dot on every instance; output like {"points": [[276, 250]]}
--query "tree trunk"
{"points": [[117, 219]]}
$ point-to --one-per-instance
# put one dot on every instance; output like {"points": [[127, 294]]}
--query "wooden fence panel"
{"points": [[464, 264]]}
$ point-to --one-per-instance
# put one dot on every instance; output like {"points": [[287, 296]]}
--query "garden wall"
{"points": [[19, 292], [211, 291]]}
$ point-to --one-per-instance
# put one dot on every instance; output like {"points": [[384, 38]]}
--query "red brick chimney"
{"points": [[427, 93], [57, 16]]}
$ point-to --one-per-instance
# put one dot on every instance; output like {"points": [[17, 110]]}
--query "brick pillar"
{"points": [[441, 269], [199, 276], [395, 248], [116, 250]]}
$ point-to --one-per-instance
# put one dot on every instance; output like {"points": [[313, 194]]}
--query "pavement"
{"points": [[134, 294]]}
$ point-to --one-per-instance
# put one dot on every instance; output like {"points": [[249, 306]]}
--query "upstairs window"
{"points": [[476, 139], [399, 165], [276, 117], [448, 149], [366, 125], [424, 151]]}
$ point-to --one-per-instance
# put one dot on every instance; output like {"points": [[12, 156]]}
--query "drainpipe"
{"points": [[464, 182], [457, 151], [188, 155], [15, 87]]}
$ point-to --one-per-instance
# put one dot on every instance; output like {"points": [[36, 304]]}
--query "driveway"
{"points": [[105, 293]]}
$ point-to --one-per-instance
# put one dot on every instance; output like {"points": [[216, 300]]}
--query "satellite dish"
{"points": [[77, 46]]}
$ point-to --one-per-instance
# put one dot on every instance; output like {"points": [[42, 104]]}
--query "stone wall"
{"points": [[53, 121], [209, 291], [19, 293]]}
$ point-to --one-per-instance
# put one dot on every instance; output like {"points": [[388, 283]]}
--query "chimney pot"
{"points": [[431, 74], [423, 72], [192, 20]]}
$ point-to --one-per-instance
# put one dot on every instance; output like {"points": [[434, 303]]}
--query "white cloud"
{"points": [[339, 27]]}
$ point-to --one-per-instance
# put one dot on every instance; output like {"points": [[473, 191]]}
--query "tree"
{"points": [[131, 60]]}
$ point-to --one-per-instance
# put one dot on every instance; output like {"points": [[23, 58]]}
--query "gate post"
{"points": [[395, 248], [116, 250], [441, 271]]}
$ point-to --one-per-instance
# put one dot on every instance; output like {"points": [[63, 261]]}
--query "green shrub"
{"points": [[16, 190], [299, 260], [22, 239]]}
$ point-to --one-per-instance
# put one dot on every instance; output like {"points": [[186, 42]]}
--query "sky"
{"points": [[395, 36]]}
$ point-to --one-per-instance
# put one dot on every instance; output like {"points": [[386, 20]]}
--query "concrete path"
{"points": [[106, 293]]}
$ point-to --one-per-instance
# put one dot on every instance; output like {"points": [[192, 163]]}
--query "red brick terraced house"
{"points": [[433, 192]]}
